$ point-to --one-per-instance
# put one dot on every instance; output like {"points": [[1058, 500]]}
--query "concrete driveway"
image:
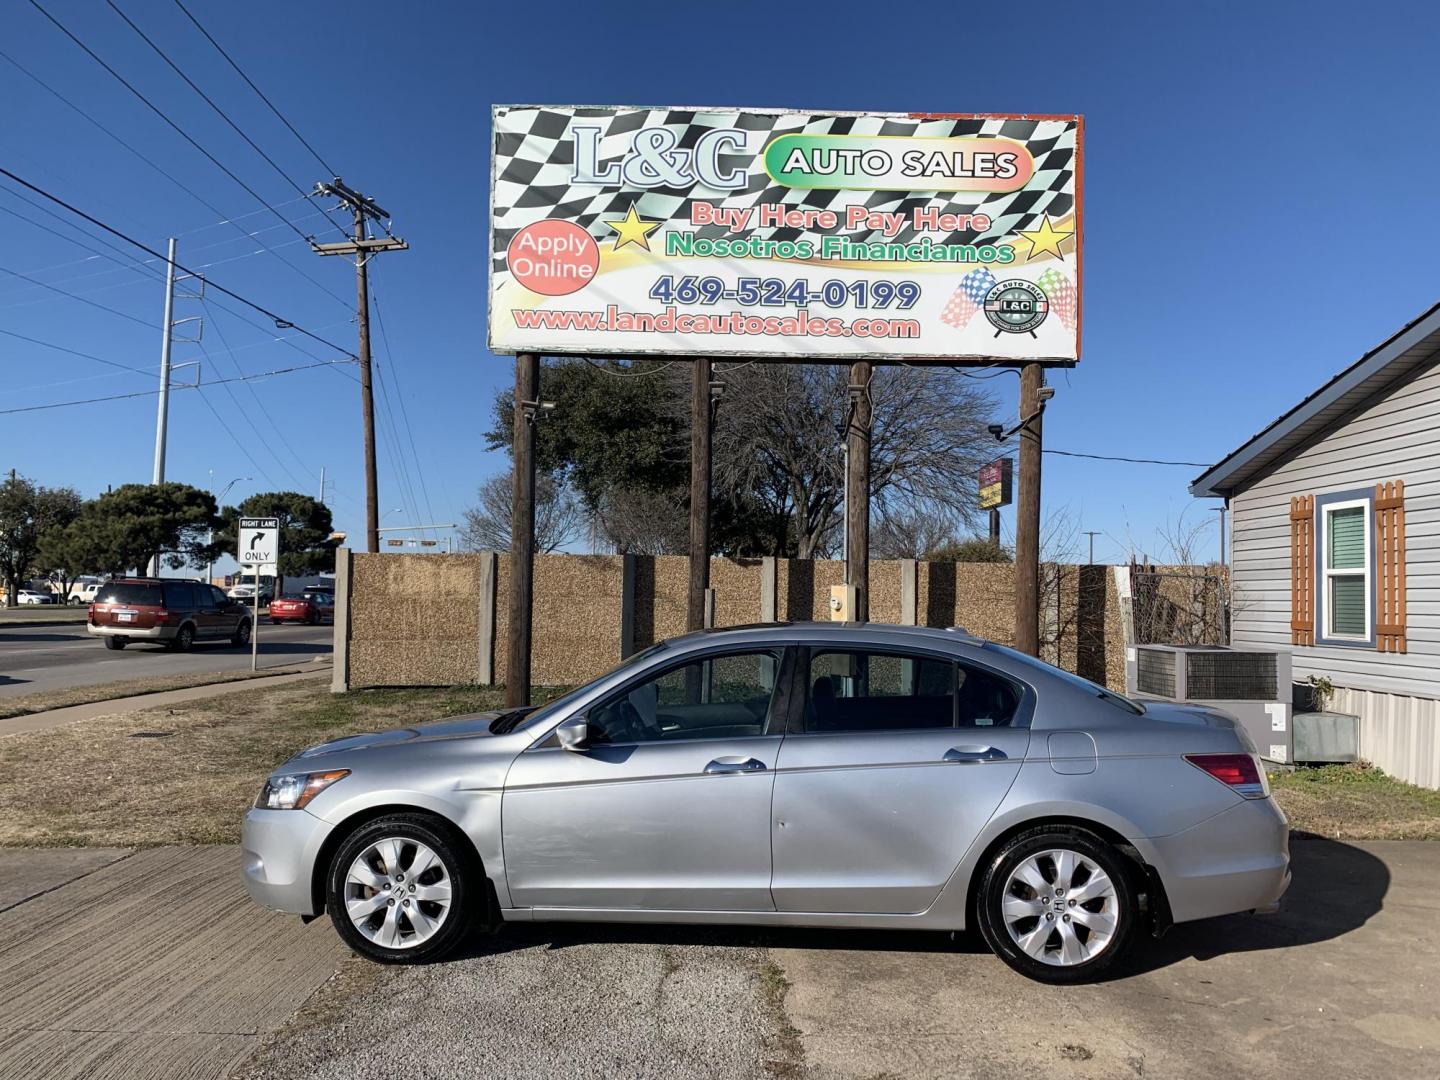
{"points": [[154, 964], [1344, 982]]}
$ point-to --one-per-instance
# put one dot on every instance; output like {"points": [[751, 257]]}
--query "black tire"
{"points": [[184, 638], [466, 886], [275, 622], [241, 636], [993, 891], [115, 642]]}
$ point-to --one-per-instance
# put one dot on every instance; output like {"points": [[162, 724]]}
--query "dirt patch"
{"points": [[1356, 802], [185, 774]]}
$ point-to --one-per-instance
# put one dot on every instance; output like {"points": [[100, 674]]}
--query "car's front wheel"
{"points": [[400, 889], [1058, 905], [242, 633]]}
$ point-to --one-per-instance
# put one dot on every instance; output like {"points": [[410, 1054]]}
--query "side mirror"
{"points": [[573, 733]]}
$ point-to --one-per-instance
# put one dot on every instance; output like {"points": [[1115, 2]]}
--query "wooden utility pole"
{"points": [[522, 531], [857, 489], [700, 462], [363, 247], [1027, 512]]}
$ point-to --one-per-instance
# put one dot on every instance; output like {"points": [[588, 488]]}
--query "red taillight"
{"points": [[1239, 772]]}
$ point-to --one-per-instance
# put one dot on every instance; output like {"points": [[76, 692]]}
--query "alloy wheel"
{"points": [[1060, 907], [398, 893]]}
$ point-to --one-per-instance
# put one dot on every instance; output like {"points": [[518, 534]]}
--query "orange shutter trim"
{"points": [[1390, 566], [1302, 570]]}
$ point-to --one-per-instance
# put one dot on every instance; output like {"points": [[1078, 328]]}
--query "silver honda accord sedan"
{"points": [[827, 774]]}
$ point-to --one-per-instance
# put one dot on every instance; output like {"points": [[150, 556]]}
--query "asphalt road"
{"points": [[36, 658]]}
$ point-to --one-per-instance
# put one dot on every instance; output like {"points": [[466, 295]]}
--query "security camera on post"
{"points": [[258, 551]]}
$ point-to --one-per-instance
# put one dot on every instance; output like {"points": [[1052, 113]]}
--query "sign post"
{"points": [[996, 485], [258, 550]]}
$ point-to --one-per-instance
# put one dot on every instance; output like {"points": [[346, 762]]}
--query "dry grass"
{"points": [[1357, 802], [25, 704], [185, 774]]}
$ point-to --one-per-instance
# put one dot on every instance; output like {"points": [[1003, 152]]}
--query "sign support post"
{"points": [[1027, 511], [700, 460], [857, 489], [522, 531]]}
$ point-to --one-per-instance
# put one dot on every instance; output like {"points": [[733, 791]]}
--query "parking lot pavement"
{"points": [[1342, 983], [155, 964]]}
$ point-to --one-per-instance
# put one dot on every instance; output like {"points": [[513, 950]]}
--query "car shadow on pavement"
{"points": [[1336, 888]]}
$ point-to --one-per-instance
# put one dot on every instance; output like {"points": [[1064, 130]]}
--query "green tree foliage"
{"points": [[67, 552], [27, 512], [133, 523], [976, 549], [305, 528]]}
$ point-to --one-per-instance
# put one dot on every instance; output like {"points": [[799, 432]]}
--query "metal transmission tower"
{"points": [[363, 247]]}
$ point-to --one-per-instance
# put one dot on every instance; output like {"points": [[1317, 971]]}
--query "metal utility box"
{"points": [[1253, 685], [1326, 737], [842, 602]]}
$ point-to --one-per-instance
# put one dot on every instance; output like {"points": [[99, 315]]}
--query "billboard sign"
{"points": [[996, 483], [791, 235]]}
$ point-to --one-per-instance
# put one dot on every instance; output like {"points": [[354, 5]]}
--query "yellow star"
{"points": [[1046, 239], [632, 230]]}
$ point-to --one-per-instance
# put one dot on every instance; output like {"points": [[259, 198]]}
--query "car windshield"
{"points": [[512, 721], [295, 596], [1120, 701], [130, 594]]}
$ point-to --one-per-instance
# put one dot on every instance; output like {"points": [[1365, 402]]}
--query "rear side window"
{"points": [[146, 595], [179, 595], [863, 691]]}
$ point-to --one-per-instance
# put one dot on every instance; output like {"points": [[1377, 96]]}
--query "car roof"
{"points": [[839, 631]]}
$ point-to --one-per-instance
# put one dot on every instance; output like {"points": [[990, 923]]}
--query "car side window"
{"points": [[217, 596], [179, 595], [717, 697], [864, 690]]}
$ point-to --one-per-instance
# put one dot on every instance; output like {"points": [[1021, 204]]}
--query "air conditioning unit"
{"points": [[1252, 685]]}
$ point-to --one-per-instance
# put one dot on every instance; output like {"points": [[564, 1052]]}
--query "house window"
{"points": [[1345, 575]]}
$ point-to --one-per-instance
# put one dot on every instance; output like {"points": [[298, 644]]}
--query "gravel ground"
{"points": [[550, 1002]]}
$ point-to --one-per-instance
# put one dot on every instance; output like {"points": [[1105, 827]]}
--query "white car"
{"points": [[34, 596]]}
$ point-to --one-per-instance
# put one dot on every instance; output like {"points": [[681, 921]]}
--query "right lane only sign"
{"points": [[258, 543]]}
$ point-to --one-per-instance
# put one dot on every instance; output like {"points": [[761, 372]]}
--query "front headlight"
{"points": [[295, 792]]}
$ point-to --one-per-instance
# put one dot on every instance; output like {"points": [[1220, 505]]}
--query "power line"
{"points": [[82, 299], [278, 320], [74, 352], [404, 411], [219, 111], [247, 455], [188, 138], [1131, 460], [153, 393], [249, 82]]}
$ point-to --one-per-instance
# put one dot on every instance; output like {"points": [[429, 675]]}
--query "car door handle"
{"points": [[734, 765], [961, 755]]}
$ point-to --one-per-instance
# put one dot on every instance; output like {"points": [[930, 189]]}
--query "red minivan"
{"points": [[175, 613]]}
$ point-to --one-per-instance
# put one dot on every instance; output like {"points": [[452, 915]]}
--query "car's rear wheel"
{"points": [[401, 889], [183, 639], [1058, 905], [242, 633], [115, 643]]}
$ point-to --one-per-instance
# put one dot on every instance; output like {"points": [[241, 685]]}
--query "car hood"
{"points": [[456, 727]]}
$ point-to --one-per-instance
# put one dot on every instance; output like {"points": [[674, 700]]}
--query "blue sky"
{"points": [[1257, 214]]}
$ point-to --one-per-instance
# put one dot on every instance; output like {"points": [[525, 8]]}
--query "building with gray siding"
{"points": [[1336, 544]]}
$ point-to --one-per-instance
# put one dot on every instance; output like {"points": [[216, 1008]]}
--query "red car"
{"points": [[313, 606]]}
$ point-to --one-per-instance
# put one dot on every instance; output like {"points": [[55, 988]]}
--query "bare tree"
{"points": [[639, 522], [778, 440], [559, 517], [906, 532]]}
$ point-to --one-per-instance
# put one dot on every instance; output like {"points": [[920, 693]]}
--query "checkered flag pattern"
{"points": [[534, 158], [968, 298], [1062, 294]]}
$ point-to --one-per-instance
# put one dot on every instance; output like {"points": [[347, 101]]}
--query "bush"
{"points": [[972, 551]]}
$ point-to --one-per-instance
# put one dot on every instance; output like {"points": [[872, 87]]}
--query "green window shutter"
{"points": [[1346, 539], [1347, 605]]}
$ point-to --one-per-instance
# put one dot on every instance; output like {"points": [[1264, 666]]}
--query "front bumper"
{"points": [[278, 849], [1238, 860], [152, 633]]}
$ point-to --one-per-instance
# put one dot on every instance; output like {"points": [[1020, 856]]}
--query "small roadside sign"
{"points": [[259, 544]]}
